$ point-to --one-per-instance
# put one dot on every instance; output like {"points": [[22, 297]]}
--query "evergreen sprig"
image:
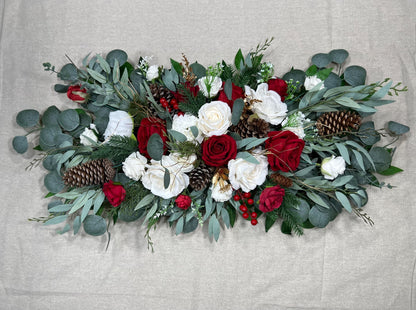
{"points": [[116, 149], [290, 201], [191, 103]]}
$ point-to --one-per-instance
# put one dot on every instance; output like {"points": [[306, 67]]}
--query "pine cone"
{"points": [[251, 127], [281, 180], [158, 91], [334, 123], [200, 177], [94, 172]]}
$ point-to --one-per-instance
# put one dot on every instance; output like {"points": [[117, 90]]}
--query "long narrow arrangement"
{"points": [[200, 145]]}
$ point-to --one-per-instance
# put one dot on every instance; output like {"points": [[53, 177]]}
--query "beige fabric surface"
{"points": [[348, 265]]}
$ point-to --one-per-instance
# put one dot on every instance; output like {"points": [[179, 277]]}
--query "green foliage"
{"points": [[95, 225], [27, 118], [290, 201], [117, 149], [191, 103]]}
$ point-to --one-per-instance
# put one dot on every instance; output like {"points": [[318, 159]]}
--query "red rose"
{"points": [[218, 150], [285, 148], [279, 86], [237, 92], [115, 193], [183, 201], [271, 198], [148, 127], [77, 94], [180, 96]]}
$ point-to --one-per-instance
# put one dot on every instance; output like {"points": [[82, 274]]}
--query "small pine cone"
{"points": [[251, 127], [158, 91], [335, 123], [281, 180], [94, 172], [200, 177]]}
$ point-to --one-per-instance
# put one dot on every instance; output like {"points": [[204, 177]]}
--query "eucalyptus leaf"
{"points": [[68, 72], [69, 119], [104, 64], [20, 144], [381, 158], [198, 70], [190, 225], [178, 136], [228, 89], [50, 116], [53, 182], [56, 220], [397, 128], [338, 56], [238, 107], [97, 76], [95, 225], [27, 118], [296, 76], [367, 133], [321, 60], [344, 201], [166, 178], [155, 147], [76, 225], [120, 55], [247, 157], [332, 81], [179, 226], [355, 75], [317, 199], [145, 201], [318, 218]]}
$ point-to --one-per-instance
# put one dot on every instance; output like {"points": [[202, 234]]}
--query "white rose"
{"points": [[183, 124], [246, 175], [134, 166], [153, 179], [270, 106], [120, 123], [214, 118], [152, 73], [332, 166], [221, 194], [89, 134], [210, 85], [299, 131], [311, 82], [183, 163]]}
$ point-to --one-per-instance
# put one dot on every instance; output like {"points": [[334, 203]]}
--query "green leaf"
{"points": [[318, 218], [177, 66], [248, 60], [317, 199], [312, 70], [397, 128], [20, 144], [225, 217], [323, 74], [304, 171], [145, 201], [53, 182], [347, 102], [179, 226], [98, 201], [237, 111], [152, 211], [199, 70], [190, 225], [382, 91], [59, 88], [27, 118], [76, 224], [97, 76], [270, 220], [95, 225], [255, 143], [129, 215], [166, 178], [344, 201], [367, 133], [296, 76], [228, 89], [338, 56], [69, 119], [104, 64], [247, 157], [321, 60], [178, 136], [359, 159], [56, 220], [238, 60], [194, 131], [342, 180], [362, 150], [120, 55], [86, 209], [214, 227], [155, 147], [301, 212], [355, 75], [50, 116], [60, 208], [381, 158], [116, 71], [391, 170], [68, 72], [343, 150]]}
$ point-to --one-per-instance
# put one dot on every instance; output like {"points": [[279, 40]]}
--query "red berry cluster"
{"points": [[170, 105], [246, 199]]}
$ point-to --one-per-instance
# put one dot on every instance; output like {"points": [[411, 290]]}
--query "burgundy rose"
{"points": [[285, 149], [218, 150], [271, 198], [237, 92], [149, 126], [115, 193], [77, 94], [279, 86], [183, 201]]}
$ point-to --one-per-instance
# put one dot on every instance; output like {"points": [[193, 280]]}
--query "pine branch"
{"points": [[191, 103], [290, 201], [117, 149]]}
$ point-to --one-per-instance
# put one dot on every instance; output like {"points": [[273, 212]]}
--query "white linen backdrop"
{"points": [[347, 265]]}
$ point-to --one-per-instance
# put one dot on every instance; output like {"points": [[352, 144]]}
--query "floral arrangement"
{"points": [[198, 145]]}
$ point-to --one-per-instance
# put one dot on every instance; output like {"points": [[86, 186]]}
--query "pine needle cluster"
{"points": [[290, 201], [191, 103], [116, 149]]}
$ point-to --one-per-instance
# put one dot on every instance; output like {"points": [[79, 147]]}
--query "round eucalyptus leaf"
{"points": [[367, 133], [95, 225], [321, 60], [319, 218], [54, 182], [397, 128], [59, 88], [355, 75], [50, 163], [27, 118], [332, 81], [190, 226], [302, 212], [61, 138], [129, 215], [47, 135], [120, 55], [50, 116], [69, 119], [338, 56], [381, 158], [68, 72], [20, 144], [296, 76]]}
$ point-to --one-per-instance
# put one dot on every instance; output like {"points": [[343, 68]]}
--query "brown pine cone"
{"points": [[337, 123], [94, 172]]}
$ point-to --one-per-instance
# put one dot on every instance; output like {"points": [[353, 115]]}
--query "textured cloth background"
{"points": [[348, 265]]}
